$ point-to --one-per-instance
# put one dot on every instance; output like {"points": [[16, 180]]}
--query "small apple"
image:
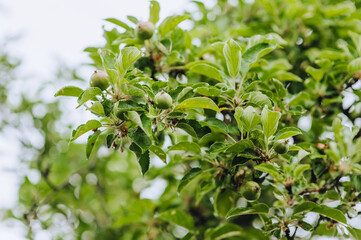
{"points": [[163, 100], [144, 30], [99, 79], [281, 146], [251, 191]]}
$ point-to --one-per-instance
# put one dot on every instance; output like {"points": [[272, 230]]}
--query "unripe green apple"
{"points": [[281, 146], [144, 30], [99, 79], [251, 191], [163, 100]]}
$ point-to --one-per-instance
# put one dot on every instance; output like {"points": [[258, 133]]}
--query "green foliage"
{"points": [[240, 83]]}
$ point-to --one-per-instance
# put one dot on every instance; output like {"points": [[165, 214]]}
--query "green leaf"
{"points": [[185, 146], [207, 70], [321, 209], [356, 180], [144, 162], [216, 125], [83, 128], [240, 146], [249, 118], [259, 208], [270, 169], [170, 23], [159, 152], [146, 124], [339, 9], [154, 10], [355, 232], [164, 46], [135, 118], [305, 226], [209, 91], [316, 74], [354, 66], [210, 137], [287, 132], [301, 154], [178, 217], [300, 169], [91, 142], [184, 94], [188, 236], [198, 102], [131, 90], [134, 148], [190, 176], [140, 138], [223, 201], [280, 88], [232, 54], [287, 76], [201, 131], [127, 58], [70, 91], [203, 189], [187, 128], [126, 106], [269, 121], [178, 37], [237, 115], [119, 23], [133, 19], [356, 38], [233, 231], [271, 38], [224, 232], [258, 98], [331, 213], [299, 99], [97, 108], [88, 94], [252, 54], [304, 207]]}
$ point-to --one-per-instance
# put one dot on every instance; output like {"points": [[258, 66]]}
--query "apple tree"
{"points": [[242, 121]]}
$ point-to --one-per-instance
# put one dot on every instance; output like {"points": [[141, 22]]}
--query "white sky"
{"points": [[53, 31]]}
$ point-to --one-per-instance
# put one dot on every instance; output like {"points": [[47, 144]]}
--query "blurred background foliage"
{"points": [[105, 197]]}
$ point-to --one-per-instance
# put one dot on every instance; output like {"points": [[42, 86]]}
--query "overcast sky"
{"points": [[50, 32]]}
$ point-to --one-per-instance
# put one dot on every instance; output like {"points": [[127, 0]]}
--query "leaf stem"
{"points": [[113, 95], [167, 69], [266, 143], [230, 137], [240, 86]]}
